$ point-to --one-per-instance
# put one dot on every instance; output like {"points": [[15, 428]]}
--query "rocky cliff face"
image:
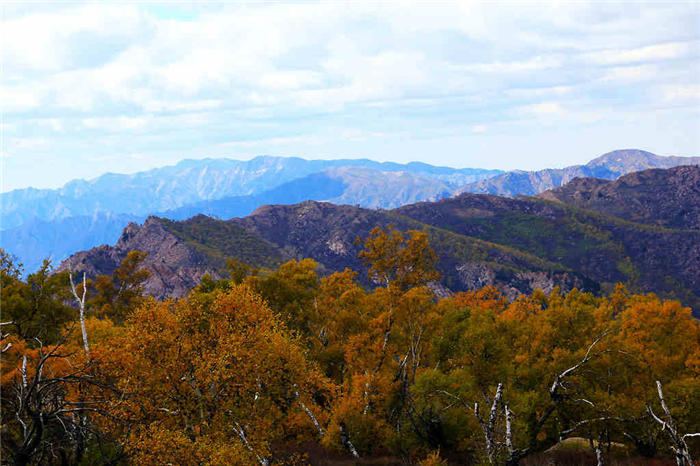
{"points": [[668, 198], [175, 267]]}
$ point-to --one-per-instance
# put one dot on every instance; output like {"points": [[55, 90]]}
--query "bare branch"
{"points": [[590, 421], [558, 379], [679, 447]]}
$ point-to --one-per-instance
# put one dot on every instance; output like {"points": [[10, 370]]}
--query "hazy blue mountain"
{"points": [[608, 166], [37, 239], [361, 186], [188, 182], [314, 186]]}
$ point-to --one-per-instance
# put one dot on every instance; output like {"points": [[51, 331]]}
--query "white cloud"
{"points": [[50, 42], [631, 73], [675, 92], [498, 67], [644, 54], [30, 144], [544, 108], [541, 92], [121, 123], [84, 75], [175, 106], [283, 141], [355, 135]]}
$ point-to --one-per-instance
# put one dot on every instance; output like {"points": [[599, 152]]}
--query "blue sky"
{"points": [[124, 87]]}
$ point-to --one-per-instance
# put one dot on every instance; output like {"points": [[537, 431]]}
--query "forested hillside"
{"points": [[287, 366]]}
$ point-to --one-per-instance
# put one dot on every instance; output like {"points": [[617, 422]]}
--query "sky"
{"points": [[90, 88]]}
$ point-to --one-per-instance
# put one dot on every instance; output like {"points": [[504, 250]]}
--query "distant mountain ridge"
{"points": [[609, 166], [192, 181]]}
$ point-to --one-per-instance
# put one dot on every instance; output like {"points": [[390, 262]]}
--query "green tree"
{"points": [[119, 294]]}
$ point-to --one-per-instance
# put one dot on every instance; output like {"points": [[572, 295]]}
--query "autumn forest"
{"points": [[290, 366]]}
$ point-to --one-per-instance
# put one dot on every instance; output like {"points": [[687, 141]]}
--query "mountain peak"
{"points": [[629, 160]]}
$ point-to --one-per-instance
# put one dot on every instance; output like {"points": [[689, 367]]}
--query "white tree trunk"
{"points": [[489, 427], [345, 438], [310, 415], [81, 304], [680, 448]]}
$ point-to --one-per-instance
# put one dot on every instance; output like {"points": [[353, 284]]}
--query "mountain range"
{"points": [[37, 224], [608, 166], [517, 245], [192, 181]]}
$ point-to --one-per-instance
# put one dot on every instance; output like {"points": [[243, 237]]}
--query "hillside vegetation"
{"points": [[292, 367]]}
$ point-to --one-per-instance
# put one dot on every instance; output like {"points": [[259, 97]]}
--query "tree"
{"points": [[290, 292], [199, 373], [35, 308], [53, 394], [398, 261], [119, 294]]}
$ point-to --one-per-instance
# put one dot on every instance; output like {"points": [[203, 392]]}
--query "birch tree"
{"points": [[199, 373]]}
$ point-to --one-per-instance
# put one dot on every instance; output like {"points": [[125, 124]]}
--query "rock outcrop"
{"points": [[175, 267]]}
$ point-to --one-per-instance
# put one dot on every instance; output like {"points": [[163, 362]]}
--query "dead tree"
{"points": [[43, 415], [678, 445]]}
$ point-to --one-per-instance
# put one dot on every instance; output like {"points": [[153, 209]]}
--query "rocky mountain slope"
{"points": [[516, 244], [321, 231], [668, 198], [608, 166], [603, 248], [177, 257]]}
